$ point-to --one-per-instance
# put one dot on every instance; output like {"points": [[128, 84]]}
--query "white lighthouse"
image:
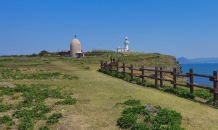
{"points": [[126, 43], [126, 48]]}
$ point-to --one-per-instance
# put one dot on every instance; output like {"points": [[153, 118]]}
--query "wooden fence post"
{"points": [[215, 85], [156, 69], [143, 73], [117, 68], [191, 80], [161, 76], [132, 72], [174, 78], [124, 74]]}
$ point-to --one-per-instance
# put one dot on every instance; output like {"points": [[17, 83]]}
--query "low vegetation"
{"points": [[179, 91], [50, 92], [33, 96], [18, 74], [137, 117]]}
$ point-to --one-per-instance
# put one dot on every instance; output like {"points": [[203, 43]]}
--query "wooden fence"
{"points": [[189, 74]]}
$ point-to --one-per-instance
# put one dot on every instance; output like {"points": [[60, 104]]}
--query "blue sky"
{"points": [[182, 28]]}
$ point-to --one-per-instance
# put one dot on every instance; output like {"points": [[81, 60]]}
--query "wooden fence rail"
{"points": [[189, 74]]}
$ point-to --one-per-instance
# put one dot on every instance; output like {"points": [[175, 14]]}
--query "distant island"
{"points": [[183, 60]]}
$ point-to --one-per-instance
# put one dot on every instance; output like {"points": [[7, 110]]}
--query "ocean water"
{"points": [[201, 68]]}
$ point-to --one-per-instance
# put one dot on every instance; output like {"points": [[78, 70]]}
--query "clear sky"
{"points": [[182, 28]]}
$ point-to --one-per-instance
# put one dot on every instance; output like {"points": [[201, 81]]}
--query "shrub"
{"points": [[114, 74], [44, 128], [10, 123], [132, 102], [4, 108], [108, 72], [54, 118], [182, 92], [43, 108], [126, 121], [26, 124], [68, 101], [138, 81], [29, 114], [5, 119], [165, 119], [136, 110], [120, 75], [205, 94], [141, 126], [14, 97], [148, 84], [128, 77]]}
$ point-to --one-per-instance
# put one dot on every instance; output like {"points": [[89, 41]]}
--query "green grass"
{"points": [[29, 64], [18, 74], [33, 97], [96, 95], [139, 118]]}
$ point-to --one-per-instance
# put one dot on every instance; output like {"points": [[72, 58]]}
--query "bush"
{"points": [[54, 118], [182, 92], [136, 110], [132, 102], [141, 126], [138, 81], [44, 128], [205, 94], [4, 108], [126, 121], [165, 119], [128, 77], [68, 101], [114, 74], [108, 72], [5, 119], [43, 108], [120, 75], [26, 124]]}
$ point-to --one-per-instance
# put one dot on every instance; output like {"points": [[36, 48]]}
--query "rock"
{"points": [[152, 110], [6, 84], [120, 70], [23, 59], [42, 69], [215, 122]]}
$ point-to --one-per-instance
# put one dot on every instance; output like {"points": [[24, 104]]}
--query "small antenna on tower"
{"points": [[75, 36]]}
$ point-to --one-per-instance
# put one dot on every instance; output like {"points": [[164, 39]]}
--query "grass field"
{"points": [[97, 94]]}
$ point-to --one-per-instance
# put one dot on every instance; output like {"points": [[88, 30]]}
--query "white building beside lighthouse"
{"points": [[126, 48]]}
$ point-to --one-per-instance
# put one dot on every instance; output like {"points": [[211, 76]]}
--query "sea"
{"points": [[201, 68]]}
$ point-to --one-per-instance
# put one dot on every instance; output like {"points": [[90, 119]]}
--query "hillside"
{"points": [[96, 93], [149, 60], [183, 60]]}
